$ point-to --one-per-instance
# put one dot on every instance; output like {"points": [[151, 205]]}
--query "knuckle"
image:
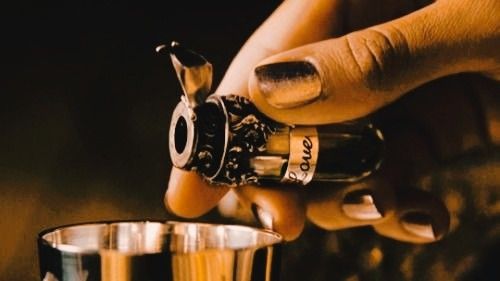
{"points": [[381, 57]]}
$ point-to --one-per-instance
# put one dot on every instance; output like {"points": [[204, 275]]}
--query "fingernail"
{"points": [[265, 218], [419, 224], [288, 84], [359, 204]]}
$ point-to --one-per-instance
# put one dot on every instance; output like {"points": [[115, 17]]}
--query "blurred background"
{"points": [[84, 114]]}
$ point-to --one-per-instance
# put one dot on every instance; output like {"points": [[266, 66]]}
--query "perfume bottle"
{"points": [[229, 142]]}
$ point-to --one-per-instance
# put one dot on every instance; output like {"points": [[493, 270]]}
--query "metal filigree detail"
{"points": [[210, 144], [247, 137]]}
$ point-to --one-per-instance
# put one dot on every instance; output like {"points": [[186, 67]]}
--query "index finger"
{"points": [[189, 196]]}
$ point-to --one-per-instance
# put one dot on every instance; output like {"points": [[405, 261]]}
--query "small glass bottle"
{"points": [[228, 141]]}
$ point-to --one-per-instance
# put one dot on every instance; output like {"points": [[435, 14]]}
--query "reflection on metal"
{"points": [[193, 71], [76, 271], [154, 251]]}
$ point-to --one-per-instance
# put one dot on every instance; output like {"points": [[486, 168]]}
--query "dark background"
{"points": [[85, 107]]}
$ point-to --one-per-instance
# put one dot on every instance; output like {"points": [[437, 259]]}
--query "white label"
{"points": [[304, 148]]}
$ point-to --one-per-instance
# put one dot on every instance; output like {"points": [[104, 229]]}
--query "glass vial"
{"points": [[228, 141]]}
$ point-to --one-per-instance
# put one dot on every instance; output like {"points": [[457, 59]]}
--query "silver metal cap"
{"points": [[182, 136]]}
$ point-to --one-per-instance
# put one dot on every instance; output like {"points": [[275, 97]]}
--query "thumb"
{"points": [[351, 76]]}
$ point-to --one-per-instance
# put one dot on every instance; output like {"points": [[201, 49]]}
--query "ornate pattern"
{"points": [[211, 142], [248, 133]]}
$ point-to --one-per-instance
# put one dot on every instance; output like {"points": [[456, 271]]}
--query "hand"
{"points": [[354, 75]]}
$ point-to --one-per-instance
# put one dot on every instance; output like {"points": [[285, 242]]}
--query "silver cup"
{"points": [[154, 251]]}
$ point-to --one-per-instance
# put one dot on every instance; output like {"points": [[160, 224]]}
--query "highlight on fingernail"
{"points": [[419, 224], [289, 84], [360, 205], [264, 217]]}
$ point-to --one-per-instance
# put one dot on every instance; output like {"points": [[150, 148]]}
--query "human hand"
{"points": [[350, 77]]}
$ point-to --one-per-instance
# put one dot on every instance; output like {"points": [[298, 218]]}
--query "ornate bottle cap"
{"points": [[226, 132]]}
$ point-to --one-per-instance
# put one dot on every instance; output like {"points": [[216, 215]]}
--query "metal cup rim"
{"points": [[277, 238]]}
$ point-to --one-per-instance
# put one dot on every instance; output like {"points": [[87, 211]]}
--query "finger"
{"points": [[363, 14], [354, 75], [410, 215], [385, 199], [417, 215], [363, 203], [419, 218], [189, 196], [293, 24], [281, 210]]}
